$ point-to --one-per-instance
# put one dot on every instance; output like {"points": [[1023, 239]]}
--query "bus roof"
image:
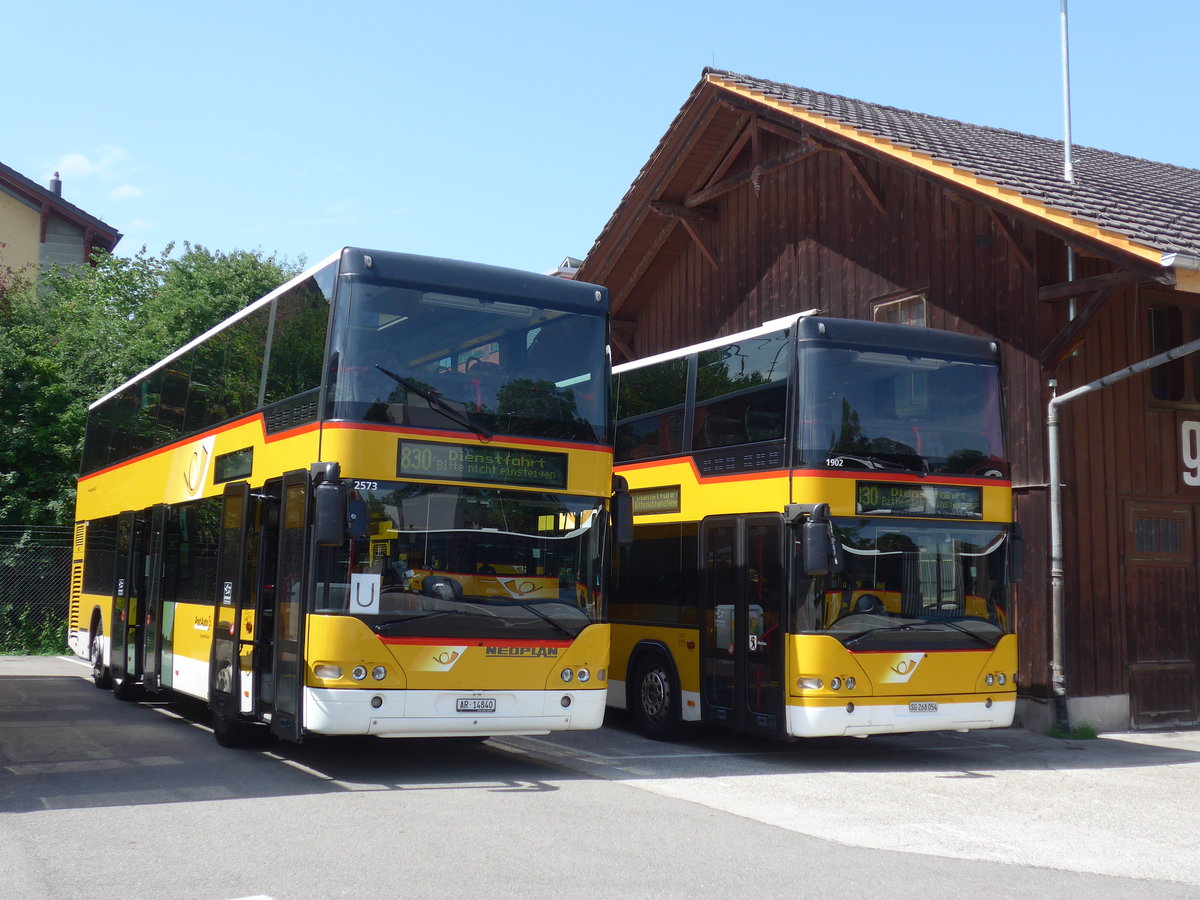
{"points": [[765, 328], [846, 331], [393, 265], [236, 317]]}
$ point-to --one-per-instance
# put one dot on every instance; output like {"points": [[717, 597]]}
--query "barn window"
{"points": [[908, 310], [1158, 534], [1167, 327]]}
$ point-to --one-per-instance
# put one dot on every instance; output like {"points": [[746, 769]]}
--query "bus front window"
{"points": [[906, 582], [468, 562], [415, 357], [883, 410]]}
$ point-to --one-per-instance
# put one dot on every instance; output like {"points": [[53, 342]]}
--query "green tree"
{"points": [[203, 287], [82, 331]]}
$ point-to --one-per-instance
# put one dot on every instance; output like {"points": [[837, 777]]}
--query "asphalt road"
{"points": [[106, 799]]}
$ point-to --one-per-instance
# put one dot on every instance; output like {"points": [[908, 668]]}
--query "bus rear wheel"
{"points": [[239, 733], [655, 703], [124, 687]]}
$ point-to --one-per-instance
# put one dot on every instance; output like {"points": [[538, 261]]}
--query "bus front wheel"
{"points": [[655, 703]]}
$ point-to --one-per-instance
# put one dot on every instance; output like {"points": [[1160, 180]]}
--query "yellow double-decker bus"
{"points": [[375, 501], [823, 536]]}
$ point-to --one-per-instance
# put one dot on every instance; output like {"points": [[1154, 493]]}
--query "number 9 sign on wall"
{"points": [[1189, 439]]}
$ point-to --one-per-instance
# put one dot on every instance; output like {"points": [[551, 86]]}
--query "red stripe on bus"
{"points": [[889, 475], [852, 474], [307, 427], [200, 436], [459, 435], [473, 642]]}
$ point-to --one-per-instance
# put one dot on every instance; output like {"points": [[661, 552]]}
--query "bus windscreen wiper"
{"points": [[398, 624], [436, 402], [950, 623], [541, 615], [855, 638], [915, 626]]}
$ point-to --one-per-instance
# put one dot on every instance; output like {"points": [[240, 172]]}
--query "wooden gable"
{"points": [[763, 200]]}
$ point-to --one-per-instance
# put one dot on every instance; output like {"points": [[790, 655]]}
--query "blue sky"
{"points": [[508, 132]]}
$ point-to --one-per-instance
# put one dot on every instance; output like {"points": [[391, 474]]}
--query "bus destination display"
{"points": [[493, 465], [885, 498]]}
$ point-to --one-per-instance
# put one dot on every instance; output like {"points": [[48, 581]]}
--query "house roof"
{"points": [[41, 197], [1135, 206]]}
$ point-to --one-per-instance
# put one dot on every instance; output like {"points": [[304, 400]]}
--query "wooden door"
{"points": [[1162, 613]]}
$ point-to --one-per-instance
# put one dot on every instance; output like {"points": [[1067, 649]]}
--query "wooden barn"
{"points": [[764, 199]]}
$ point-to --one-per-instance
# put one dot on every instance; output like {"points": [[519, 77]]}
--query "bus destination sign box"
{"points": [[655, 501], [491, 465], [885, 498]]}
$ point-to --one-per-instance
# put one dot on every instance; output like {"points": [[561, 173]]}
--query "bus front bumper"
{"points": [[899, 718], [450, 713]]}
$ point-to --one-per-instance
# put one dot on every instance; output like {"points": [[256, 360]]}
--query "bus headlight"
{"points": [[329, 672], [989, 679], [567, 674], [583, 675], [359, 673], [379, 673], [851, 684], [835, 683], [1001, 678], [809, 683]]}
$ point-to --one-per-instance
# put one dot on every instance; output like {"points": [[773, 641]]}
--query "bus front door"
{"points": [[289, 592], [123, 644], [224, 670], [743, 634], [150, 616], [265, 513]]}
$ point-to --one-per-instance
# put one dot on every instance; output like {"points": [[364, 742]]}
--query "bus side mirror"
{"points": [[1016, 554], [622, 512], [817, 540], [329, 513]]}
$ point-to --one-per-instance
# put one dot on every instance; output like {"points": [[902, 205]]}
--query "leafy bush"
{"points": [[28, 630]]}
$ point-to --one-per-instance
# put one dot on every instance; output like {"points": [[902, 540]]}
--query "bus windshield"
{"points": [[886, 410], [916, 581], [411, 356], [450, 561]]}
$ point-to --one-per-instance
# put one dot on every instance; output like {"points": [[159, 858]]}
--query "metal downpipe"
{"points": [[1057, 589]]}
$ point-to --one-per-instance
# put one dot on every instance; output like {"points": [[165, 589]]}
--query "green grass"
{"points": [[1079, 733], [29, 632]]}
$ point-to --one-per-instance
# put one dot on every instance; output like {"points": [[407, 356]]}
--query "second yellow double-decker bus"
{"points": [[823, 533], [375, 501]]}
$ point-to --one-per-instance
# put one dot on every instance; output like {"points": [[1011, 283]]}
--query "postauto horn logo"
{"points": [[902, 667], [440, 659]]}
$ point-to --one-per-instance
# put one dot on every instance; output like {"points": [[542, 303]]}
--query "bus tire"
{"points": [[124, 687], [100, 676], [655, 700], [239, 733]]}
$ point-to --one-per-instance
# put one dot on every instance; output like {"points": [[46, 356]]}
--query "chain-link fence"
{"points": [[35, 584]]}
